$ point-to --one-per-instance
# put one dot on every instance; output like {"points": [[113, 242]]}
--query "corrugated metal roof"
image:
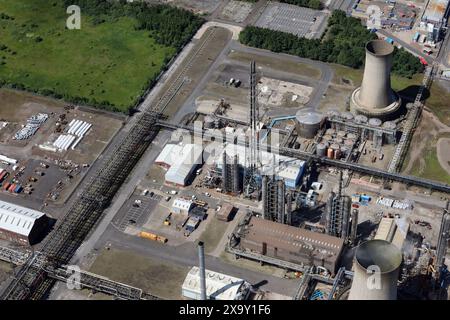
{"points": [[218, 285], [169, 154], [184, 161], [385, 229], [17, 219], [292, 238]]}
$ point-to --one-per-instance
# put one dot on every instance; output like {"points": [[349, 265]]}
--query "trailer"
{"points": [[18, 189]]}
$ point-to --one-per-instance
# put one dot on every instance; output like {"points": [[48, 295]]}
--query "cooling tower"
{"points": [[375, 97], [382, 286]]}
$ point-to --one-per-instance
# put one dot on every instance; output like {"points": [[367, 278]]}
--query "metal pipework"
{"points": [[382, 257], [201, 266]]}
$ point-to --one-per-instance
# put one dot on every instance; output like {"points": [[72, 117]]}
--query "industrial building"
{"points": [[21, 225], [286, 168], [181, 162], [375, 97], [218, 286], [181, 205], [392, 230], [274, 198], [435, 18], [292, 244]]}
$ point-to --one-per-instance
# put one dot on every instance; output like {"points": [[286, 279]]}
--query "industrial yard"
{"points": [[243, 174]]}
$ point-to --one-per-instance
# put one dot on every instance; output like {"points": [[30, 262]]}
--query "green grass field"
{"points": [[105, 62], [432, 169]]}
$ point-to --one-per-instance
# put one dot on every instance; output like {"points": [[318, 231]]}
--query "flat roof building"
{"points": [[218, 286], [292, 244], [21, 225], [181, 205]]}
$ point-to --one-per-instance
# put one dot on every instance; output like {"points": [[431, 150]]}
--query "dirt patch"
{"points": [[150, 275]]}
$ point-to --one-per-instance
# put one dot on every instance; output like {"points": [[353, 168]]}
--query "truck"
{"points": [[152, 236], [389, 40]]}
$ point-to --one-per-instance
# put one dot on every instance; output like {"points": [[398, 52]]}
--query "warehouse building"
{"points": [[286, 168], [182, 206], [181, 161], [218, 286], [292, 244], [21, 225]]}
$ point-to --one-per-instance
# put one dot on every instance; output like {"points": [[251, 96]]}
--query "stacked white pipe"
{"points": [[76, 130]]}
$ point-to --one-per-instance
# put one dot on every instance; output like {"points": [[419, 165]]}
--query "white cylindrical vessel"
{"points": [[77, 132], [376, 269], [86, 129]]}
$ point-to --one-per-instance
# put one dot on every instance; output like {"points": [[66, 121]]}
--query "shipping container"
{"points": [[12, 187], [18, 189], [6, 186]]}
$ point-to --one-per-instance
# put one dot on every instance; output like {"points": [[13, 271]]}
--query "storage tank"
{"points": [[330, 153], [345, 151], [383, 257], [390, 125], [349, 142], [339, 140], [330, 132], [360, 118], [337, 153], [333, 113], [327, 138], [308, 123], [375, 122], [347, 116], [341, 134], [351, 136], [321, 150]]}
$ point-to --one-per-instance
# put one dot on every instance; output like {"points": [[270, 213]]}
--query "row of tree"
{"points": [[169, 26], [313, 4], [343, 43]]}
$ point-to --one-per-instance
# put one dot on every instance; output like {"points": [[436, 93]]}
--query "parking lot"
{"points": [[303, 22]]}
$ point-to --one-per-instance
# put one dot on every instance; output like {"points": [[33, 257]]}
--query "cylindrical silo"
{"points": [[375, 97], [337, 154], [330, 131], [347, 116], [351, 136], [321, 150], [341, 134], [209, 122], [375, 122], [360, 118], [308, 123], [327, 138], [345, 151], [339, 140], [376, 268], [330, 153]]}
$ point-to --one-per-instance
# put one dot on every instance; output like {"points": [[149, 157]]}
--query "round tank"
{"points": [[209, 122], [376, 268], [360, 118], [337, 153], [389, 125], [327, 138], [351, 136], [330, 153], [339, 140], [330, 131], [321, 150], [341, 134], [333, 113], [335, 146], [347, 116], [344, 151], [349, 142], [374, 122], [308, 123]]}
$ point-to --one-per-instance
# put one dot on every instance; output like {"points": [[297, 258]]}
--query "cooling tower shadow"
{"points": [[409, 93]]}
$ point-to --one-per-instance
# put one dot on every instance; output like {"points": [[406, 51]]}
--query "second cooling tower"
{"points": [[383, 258], [375, 97]]}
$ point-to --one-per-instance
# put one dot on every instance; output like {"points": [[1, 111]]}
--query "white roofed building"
{"points": [[21, 225], [182, 162], [181, 205], [218, 286]]}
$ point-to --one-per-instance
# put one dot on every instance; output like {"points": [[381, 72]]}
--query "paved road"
{"points": [[406, 46]]}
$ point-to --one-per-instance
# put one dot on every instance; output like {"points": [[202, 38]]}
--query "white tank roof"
{"points": [[309, 117]]}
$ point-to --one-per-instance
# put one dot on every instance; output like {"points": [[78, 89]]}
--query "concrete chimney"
{"points": [[378, 255], [201, 266], [375, 97]]}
